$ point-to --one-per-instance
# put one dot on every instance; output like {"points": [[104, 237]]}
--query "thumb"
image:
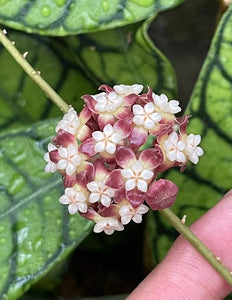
{"points": [[184, 273]]}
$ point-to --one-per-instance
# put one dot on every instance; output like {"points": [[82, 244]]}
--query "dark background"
{"points": [[184, 34]]}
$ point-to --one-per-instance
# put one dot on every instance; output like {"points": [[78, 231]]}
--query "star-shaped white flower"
{"points": [[164, 105], [51, 167], [146, 116], [106, 140], [137, 176], [175, 148], [69, 159], [123, 89], [108, 225], [70, 122], [76, 201], [192, 149], [100, 192], [128, 213], [107, 102]]}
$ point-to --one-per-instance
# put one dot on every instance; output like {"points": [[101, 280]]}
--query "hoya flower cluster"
{"points": [[108, 171]]}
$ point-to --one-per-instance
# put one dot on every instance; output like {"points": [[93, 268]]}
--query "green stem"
{"points": [[33, 74], [197, 244]]}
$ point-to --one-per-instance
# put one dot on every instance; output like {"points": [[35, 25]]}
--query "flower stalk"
{"points": [[32, 73], [171, 217]]}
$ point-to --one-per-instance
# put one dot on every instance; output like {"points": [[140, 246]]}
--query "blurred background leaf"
{"points": [[35, 230], [203, 185], [74, 66], [65, 17]]}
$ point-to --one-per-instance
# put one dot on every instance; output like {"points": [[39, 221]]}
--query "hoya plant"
{"points": [[75, 160]]}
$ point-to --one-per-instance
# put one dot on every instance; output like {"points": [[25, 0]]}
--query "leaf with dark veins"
{"points": [[65, 17]]}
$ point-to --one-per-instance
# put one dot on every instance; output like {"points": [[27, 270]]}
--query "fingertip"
{"points": [[184, 273]]}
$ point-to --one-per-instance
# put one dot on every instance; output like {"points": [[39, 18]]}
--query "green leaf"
{"points": [[65, 17], [36, 231], [203, 185], [74, 66]]}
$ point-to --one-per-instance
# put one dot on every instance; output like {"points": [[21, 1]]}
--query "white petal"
{"points": [[109, 231], [156, 99], [80, 197], [93, 186], [147, 174], [138, 120], [63, 152], [108, 130], [106, 201], [116, 138], [181, 145], [138, 110], [109, 192], [99, 147], [111, 107], [200, 151], [149, 124], [94, 197], [194, 158], [110, 148], [130, 184], [127, 173], [98, 136], [167, 145], [100, 106], [112, 96], [62, 164], [164, 98], [98, 228], [101, 97], [119, 226], [69, 123], [197, 139], [156, 117], [128, 89], [114, 99], [70, 169], [142, 209], [142, 185], [70, 192], [72, 208], [173, 138], [51, 147], [171, 155], [125, 219], [82, 207], [72, 150], [149, 108], [50, 167], [136, 88], [76, 160], [137, 218], [125, 210], [174, 106], [47, 157], [180, 157], [137, 167], [64, 199]]}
